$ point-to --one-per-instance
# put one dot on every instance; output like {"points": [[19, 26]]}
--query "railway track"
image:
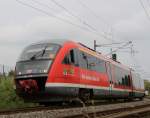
{"points": [[57, 106], [118, 110], [129, 112]]}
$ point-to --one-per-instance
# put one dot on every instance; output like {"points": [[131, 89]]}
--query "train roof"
{"points": [[55, 41]]}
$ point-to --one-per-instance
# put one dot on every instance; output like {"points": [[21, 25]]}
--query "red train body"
{"points": [[62, 70]]}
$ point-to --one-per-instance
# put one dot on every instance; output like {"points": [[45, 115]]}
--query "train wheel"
{"points": [[46, 104], [85, 95], [130, 99], [141, 99]]}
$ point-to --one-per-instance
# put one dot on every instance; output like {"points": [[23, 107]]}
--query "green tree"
{"points": [[8, 97], [147, 85]]}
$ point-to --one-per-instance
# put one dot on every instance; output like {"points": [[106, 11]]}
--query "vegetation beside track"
{"points": [[147, 86], [8, 97]]}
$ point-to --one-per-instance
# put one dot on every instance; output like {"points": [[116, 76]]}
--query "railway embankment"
{"points": [[119, 110]]}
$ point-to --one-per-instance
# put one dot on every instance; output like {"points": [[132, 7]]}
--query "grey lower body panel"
{"points": [[138, 95], [52, 94]]}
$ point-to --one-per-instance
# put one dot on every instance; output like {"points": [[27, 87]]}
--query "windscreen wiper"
{"points": [[41, 53]]}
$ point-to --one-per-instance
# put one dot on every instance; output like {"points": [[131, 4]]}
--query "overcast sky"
{"points": [[125, 19]]}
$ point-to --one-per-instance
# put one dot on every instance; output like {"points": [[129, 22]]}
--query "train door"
{"points": [[109, 73], [71, 72], [83, 63]]}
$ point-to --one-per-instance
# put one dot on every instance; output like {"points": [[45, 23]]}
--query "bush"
{"points": [[8, 97]]}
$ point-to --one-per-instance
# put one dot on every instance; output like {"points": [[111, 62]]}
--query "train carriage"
{"points": [[62, 70]]}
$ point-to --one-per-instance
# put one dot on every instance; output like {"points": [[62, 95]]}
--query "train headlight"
{"points": [[43, 71], [52, 56]]}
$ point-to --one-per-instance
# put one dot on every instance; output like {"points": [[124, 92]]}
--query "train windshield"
{"points": [[39, 51], [36, 59]]}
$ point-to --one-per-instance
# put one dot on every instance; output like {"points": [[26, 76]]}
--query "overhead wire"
{"points": [[123, 46], [110, 44], [146, 12], [59, 18], [94, 14], [42, 4], [81, 2], [66, 10], [78, 18], [148, 5]]}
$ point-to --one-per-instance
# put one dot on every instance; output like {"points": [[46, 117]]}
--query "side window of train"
{"points": [[126, 80], [109, 72], [129, 80], [123, 81], [70, 58], [118, 75], [83, 61], [91, 62], [122, 76], [100, 65]]}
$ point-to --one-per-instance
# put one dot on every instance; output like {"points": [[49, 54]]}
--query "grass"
{"points": [[8, 97]]}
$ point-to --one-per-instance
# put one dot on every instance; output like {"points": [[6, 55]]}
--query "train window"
{"points": [[66, 60], [126, 80], [119, 83], [39, 51], [129, 80], [100, 65], [90, 62], [84, 56], [122, 76], [109, 72], [69, 58], [72, 58], [118, 75], [123, 81], [83, 62], [95, 64]]}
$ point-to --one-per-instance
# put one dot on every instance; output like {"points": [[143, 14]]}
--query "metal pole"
{"points": [[111, 52], [95, 45], [4, 72]]}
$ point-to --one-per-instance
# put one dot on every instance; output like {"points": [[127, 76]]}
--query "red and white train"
{"points": [[62, 70]]}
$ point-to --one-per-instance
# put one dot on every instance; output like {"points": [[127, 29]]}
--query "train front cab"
{"points": [[32, 70]]}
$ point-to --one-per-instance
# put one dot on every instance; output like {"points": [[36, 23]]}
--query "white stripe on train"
{"points": [[87, 86]]}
